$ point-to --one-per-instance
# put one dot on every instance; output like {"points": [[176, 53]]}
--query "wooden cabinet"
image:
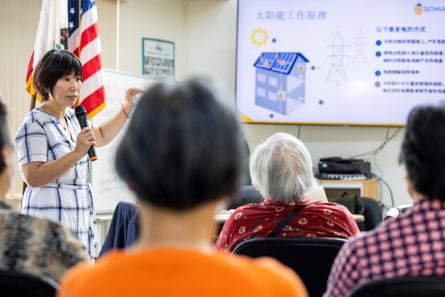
{"points": [[362, 187]]}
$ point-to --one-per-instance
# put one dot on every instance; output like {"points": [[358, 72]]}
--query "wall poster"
{"points": [[158, 59]]}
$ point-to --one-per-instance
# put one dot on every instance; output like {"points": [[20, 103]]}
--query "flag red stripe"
{"points": [[91, 67], [30, 67], [96, 110], [88, 35], [87, 47], [93, 100]]}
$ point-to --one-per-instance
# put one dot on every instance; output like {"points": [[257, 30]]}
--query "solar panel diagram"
{"points": [[280, 81]]}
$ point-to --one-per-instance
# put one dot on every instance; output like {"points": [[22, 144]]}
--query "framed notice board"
{"points": [[158, 59]]}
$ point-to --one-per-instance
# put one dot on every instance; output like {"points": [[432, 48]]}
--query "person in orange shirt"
{"points": [[182, 157]]}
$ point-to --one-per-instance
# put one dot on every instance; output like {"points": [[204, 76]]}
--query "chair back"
{"points": [[310, 258], [246, 194], [373, 213], [123, 229], [406, 286], [17, 284]]}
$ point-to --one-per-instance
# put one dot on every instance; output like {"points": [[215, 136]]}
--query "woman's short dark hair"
{"points": [[183, 146], [423, 150], [4, 134], [54, 65]]}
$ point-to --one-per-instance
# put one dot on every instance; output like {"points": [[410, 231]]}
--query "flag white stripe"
{"points": [[73, 41], [90, 85], [45, 30], [90, 51], [89, 18]]}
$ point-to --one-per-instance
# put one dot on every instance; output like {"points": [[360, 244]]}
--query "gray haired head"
{"points": [[282, 168]]}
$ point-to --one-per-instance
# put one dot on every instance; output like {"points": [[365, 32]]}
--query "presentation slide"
{"points": [[338, 62]]}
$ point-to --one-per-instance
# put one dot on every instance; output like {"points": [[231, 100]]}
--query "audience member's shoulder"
{"points": [[266, 271], [327, 205], [324, 204], [364, 239], [257, 275], [37, 222], [73, 282], [240, 210], [53, 234], [26, 222], [46, 248]]}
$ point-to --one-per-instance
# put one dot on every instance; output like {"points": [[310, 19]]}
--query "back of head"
{"points": [[422, 150], [54, 65], [183, 146], [282, 168], [4, 135], [5, 146]]}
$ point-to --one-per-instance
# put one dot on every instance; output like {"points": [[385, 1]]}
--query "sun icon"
{"points": [[259, 36]]}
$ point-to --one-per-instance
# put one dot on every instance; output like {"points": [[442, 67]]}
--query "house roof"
{"points": [[279, 62]]}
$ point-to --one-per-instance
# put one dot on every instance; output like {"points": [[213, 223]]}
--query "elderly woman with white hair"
{"points": [[281, 168]]}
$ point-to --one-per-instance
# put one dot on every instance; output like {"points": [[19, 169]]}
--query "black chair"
{"points": [[17, 284], [310, 258], [246, 194], [373, 213], [370, 208], [406, 286], [123, 230]]}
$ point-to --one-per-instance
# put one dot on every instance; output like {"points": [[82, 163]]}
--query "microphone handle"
{"points": [[81, 116], [92, 154]]}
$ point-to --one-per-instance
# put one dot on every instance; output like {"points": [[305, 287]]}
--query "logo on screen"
{"points": [[421, 9]]}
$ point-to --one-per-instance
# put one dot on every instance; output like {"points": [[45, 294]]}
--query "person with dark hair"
{"points": [[182, 157], [281, 168], [412, 243], [28, 244], [52, 148]]}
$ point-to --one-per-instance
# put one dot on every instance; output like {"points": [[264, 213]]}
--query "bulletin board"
{"points": [[158, 59]]}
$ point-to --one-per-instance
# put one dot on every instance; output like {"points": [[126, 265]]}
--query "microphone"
{"points": [[81, 115]]}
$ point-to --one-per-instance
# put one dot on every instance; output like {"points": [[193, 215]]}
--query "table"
{"points": [[222, 216], [362, 187]]}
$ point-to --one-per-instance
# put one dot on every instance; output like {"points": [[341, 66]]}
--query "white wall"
{"points": [[153, 19], [17, 30], [204, 32]]}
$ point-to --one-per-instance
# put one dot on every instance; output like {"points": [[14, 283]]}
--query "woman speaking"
{"points": [[52, 148]]}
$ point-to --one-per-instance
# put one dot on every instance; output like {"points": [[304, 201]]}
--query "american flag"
{"points": [[72, 24]]}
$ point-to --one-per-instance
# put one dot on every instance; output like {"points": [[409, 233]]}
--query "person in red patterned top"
{"points": [[413, 243], [281, 167]]}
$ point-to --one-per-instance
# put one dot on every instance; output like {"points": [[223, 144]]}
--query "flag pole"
{"points": [[79, 22], [79, 25], [33, 102]]}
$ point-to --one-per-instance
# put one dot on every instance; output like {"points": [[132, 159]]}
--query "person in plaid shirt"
{"points": [[411, 244]]}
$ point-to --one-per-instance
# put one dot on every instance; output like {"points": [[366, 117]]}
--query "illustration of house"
{"points": [[280, 81]]}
